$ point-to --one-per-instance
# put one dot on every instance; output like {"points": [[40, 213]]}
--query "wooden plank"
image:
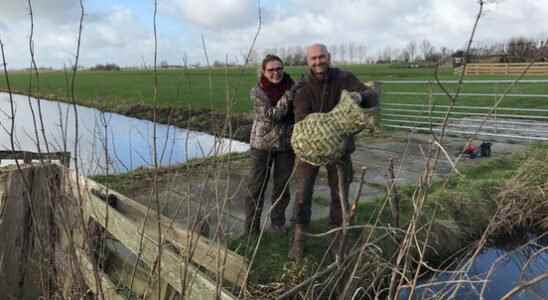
{"points": [[27, 232], [506, 69], [121, 264], [172, 265], [28, 157], [204, 252], [108, 287], [33, 155], [506, 64]]}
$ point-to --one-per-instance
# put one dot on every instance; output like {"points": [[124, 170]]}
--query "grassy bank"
{"points": [[142, 177], [459, 210]]}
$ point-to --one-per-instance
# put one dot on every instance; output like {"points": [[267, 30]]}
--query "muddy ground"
{"points": [[216, 189]]}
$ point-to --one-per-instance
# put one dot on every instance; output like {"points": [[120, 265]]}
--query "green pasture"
{"points": [[220, 89]]}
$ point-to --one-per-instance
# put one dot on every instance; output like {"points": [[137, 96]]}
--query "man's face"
{"points": [[318, 60]]}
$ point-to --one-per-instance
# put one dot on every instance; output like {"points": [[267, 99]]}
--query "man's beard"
{"points": [[320, 70]]}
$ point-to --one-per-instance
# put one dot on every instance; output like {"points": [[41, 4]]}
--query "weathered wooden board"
{"points": [[27, 232], [107, 286], [203, 252], [172, 265]]}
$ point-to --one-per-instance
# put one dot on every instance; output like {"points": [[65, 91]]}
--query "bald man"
{"points": [[319, 91]]}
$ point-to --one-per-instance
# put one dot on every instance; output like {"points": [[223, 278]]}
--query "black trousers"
{"points": [[262, 162], [306, 177]]}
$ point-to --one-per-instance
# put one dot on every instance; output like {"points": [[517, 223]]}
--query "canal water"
{"points": [[499, 269], [106, 141]]}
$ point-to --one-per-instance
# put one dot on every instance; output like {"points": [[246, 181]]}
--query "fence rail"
{"points": [[503, 69], [127, 224], [467, 81], [28, 156], [467, 94], [509, 123]]}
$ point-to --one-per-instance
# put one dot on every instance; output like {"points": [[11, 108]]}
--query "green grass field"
{"points": [[218, 89]]}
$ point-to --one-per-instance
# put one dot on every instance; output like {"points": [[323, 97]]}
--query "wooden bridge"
{"points": [[61, 233]]}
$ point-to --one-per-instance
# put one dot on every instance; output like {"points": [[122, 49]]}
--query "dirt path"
{"points": [[216, 191]]}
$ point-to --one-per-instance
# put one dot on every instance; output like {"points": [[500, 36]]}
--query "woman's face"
{"points": [[273, 71]]}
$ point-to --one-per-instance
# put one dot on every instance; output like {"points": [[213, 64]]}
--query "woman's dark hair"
{"points": [[270, 57]]}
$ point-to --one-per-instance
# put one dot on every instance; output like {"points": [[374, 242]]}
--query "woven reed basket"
{"points": [[319, 138]]}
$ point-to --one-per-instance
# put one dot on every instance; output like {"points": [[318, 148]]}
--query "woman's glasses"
{"points": [[279, 69]]}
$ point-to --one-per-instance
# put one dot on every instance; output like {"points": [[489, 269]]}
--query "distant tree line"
{"points": [[357, 53], [412, 54], [106, 67], [516, 49], [347, 53], [418, 53]]}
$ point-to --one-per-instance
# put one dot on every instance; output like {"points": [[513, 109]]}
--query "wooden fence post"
{"points": [[28, 233], [27, 157]]}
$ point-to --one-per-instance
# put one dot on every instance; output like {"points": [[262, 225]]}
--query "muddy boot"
{"points": [[296, 251]]}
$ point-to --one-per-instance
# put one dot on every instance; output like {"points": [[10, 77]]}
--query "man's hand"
{"points": [[369, 99]]}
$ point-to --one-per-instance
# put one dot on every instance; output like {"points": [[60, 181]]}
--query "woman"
{"points": [[270, 145]]}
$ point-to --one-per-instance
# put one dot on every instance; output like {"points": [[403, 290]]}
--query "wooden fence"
{"points": [[28, 156], [504, 69], [74, 218]]}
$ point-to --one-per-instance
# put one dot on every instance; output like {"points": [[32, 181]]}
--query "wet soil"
{"points": [[216, 191]]}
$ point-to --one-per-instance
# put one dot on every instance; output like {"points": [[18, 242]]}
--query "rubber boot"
{"points": [[296, 251]]}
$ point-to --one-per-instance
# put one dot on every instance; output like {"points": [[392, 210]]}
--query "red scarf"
{"points": [[275, 91]]}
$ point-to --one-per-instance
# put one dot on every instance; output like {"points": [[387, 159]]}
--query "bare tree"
{"points": [[520, 49], [445, 53], [386, 56], [427, 50], [342, 51], [362, 53], [411, 50], [405, 56], [252, 57], [351, 52], [333, 50]]}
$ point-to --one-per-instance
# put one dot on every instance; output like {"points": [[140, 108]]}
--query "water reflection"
{"points": [[498, 269], [128, 141]]}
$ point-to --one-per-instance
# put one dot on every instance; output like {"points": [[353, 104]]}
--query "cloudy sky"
{"points": [[121, 31]]}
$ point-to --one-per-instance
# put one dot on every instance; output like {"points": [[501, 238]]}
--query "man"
{"points": [[319, 91]]}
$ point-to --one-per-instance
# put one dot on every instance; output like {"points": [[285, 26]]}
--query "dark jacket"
{"points": [[271, 128], [313, 95]]}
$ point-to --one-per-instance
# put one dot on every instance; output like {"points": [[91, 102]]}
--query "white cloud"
{"points": [[505, 19], [389, 23], [117, 29], [216, 14], [394, 23], [114, 37], [58, 11], [123, 34]]}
